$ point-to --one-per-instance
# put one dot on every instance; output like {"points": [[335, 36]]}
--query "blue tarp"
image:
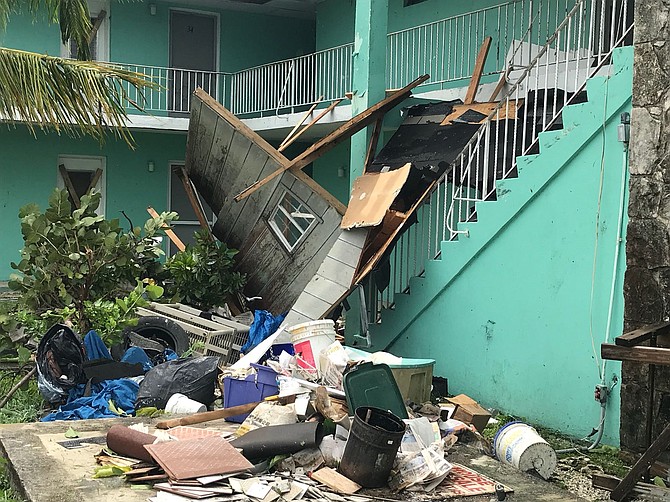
{"points": [[122, 392], [263, 326]]}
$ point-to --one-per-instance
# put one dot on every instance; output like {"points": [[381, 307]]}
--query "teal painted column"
{"points": [[369, 82], [369, 87]]}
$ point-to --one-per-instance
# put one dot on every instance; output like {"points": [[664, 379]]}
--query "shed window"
{"points": [[291, 220]]}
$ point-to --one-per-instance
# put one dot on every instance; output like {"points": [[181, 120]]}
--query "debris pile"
{"points": [[311, 419]]}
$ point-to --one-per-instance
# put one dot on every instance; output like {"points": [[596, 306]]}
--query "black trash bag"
{"points": [[195, 377], [60, 363]]}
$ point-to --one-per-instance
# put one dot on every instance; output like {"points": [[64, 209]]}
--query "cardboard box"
{"points": [[469, 411]]}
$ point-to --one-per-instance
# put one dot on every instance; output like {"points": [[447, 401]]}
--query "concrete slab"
{"points": [[43, 471]]}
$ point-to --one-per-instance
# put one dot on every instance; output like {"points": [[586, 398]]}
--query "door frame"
{"points": [[102, 182], [215, 15]]}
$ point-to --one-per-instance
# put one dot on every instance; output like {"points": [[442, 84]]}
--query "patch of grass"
{"points": [[7, 493], [25, 405]]}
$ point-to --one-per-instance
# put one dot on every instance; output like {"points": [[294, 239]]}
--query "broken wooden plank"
{"points": [[335, 481], [195, 201], [171, 235], [69, 186], [302, 121], [345, 131], [372, 147], [506, 111], [642, 334], [477, 73], [628, 482], [500, 85], [648, 355], [323, 113]]}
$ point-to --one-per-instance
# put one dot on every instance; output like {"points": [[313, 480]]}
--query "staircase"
{"points": [[492, 180]]}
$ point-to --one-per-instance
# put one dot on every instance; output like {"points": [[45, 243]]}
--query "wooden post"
{"points": [[172, 236], [195, 201], [477, 73], [302, 121], [627, 483], [94, 180], [316, 119]]}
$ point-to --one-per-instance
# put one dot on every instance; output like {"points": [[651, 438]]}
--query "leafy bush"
{"points": [[203, 274], [78, 266]]}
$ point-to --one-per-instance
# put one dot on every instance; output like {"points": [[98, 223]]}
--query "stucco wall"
{"points": [[647, 283]]}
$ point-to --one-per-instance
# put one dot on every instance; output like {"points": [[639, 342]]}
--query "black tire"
{"points": [[160, 329]]}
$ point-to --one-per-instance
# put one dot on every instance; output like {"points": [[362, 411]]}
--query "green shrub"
{"points": [[203, 274]]}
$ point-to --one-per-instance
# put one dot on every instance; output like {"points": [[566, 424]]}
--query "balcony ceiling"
{"points": [[290, 8]]}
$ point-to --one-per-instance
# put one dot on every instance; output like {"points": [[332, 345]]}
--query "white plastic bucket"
{"points": [[179, 403], [310, 338], [519, 445]]}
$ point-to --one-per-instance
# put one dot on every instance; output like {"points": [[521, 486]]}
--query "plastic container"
{"points": [[179, 403], [519, 445], [308, 340], [413, 376], [372, 446], [253, 388]]}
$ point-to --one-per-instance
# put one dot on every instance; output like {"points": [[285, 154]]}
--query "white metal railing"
{"points": [[447, 49], [556, 76], [176, 87], [293, 82]]}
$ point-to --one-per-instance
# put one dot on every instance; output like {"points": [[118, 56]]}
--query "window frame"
{"points": [[77, 166], [101, 37], [277, 232]]}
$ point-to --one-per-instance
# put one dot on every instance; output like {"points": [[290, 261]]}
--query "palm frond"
{"points": [[75, 97]]}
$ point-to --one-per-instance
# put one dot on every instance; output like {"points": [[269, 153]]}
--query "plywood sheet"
{"points": [[372, 195]]}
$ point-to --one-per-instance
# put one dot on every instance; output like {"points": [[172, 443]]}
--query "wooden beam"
{"points": [[642, 334], [372, 147], [628, 482], [195, 201], [302, 121], [94, 180], [168, 231], [345, 131], [308, 126], [477, 73], [96, 26], [69, 186], [648, 355]]}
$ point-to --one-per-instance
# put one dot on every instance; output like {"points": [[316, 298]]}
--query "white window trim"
{"points": [[277, 231], [94, 8], [102, 182]]}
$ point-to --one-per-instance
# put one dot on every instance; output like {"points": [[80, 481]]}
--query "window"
{"points": [[82, 173], [187, 224], [99, 11], [291, 220]]}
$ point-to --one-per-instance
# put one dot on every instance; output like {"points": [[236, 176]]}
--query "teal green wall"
{"points": [[246, 39], [28, 173], [325, 171], [511, 312]]}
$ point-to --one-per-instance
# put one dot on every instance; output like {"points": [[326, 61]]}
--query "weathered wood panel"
{"points": [[234, 166], [286, 284], [223, 136], [224, 156]]}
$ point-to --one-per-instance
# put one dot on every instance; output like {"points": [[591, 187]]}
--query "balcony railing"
{"points": [[176, 87]]}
